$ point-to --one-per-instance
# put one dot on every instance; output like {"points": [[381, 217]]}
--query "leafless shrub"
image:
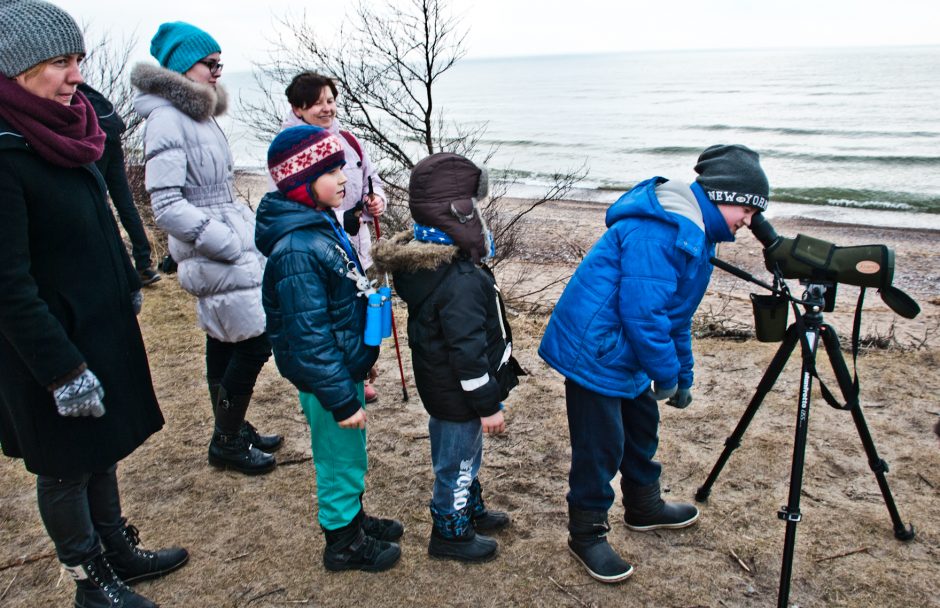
{"points": [[711, 321], [888, 340], [386, 60]]}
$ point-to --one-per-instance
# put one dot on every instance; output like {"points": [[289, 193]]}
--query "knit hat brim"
{"points": [[298, 156]]}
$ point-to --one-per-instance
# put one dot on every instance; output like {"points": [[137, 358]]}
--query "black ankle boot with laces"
{"points": [[97, 586], [131, 563]]}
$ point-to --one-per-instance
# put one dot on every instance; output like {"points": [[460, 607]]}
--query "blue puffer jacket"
{"points": [[625, 316], [314, 318]]}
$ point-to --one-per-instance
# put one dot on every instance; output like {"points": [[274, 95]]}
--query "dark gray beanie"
{"points": [[32, 31], [732, 175]]}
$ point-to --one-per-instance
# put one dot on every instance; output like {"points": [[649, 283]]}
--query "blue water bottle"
{"points": [[386, 293], [373, 334]]}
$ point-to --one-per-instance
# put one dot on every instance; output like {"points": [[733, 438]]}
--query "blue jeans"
{"points": [[456, 453], [609, 434], [78, 511]]}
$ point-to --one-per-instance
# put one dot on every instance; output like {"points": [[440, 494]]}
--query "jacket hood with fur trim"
{"points": [[417, 267], [159, 86], [401, 253]]}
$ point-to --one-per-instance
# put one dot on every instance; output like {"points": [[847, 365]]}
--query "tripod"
{"points": [[807, 330]]}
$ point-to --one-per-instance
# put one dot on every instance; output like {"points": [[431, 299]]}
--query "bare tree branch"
{"points": [[387, 59]]}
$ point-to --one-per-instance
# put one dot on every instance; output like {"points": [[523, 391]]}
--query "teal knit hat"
{"points": [[178, 46]]}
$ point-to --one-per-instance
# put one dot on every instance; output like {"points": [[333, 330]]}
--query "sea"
{"points": [[847, 135]]}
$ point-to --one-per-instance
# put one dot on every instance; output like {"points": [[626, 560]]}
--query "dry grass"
{"points": [[255, 542]]}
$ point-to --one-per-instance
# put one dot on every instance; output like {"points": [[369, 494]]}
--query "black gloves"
{"points": [[351, 219], [681, 399]]}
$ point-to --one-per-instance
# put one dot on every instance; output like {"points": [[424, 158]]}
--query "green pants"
{"points": [[339, 456]]}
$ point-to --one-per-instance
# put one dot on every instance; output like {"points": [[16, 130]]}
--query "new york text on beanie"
{"points": [[732, 175]]}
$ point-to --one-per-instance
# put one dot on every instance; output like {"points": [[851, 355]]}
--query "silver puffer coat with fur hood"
{"points": [[190, 179]]}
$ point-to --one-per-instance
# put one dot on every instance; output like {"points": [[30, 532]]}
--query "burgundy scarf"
{"points": [[66, 136]]}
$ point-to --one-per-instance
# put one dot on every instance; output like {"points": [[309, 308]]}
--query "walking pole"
{"points": [[401, 369]]}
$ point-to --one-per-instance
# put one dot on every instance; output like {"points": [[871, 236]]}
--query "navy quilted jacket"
{"points": [[314, 318]]}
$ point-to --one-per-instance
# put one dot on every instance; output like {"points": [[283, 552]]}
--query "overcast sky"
{"points": [[500, 28]]}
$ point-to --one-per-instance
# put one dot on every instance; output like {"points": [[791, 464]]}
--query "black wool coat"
{"points": [[457, 328], [65, 301]]}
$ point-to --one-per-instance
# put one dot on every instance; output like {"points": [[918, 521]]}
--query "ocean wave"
{"points": [[797, 131], [858, 199], [808, 157]]}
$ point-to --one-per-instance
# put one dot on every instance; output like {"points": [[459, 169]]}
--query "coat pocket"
{"points": [[610, 346]]}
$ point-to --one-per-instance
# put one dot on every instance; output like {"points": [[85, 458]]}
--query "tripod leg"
{"points": [[763, 387], [790, 513], [878, 466]]}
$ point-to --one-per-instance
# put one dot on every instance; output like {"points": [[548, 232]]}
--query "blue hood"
{"points": [[278, 216], [639, 202]]}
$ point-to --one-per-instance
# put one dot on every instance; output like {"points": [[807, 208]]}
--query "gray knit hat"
{"points": [[32, 31], [732, 175]]}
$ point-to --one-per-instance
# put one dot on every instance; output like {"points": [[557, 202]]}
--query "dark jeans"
{"points": [[111, 166], [609, 434], [236, 365], [78, 512], [456, 454]]}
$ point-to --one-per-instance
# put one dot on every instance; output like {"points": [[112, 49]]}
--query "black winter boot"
{"points": [[587, 541], [453, 537], [131, 563], [349, 548], [378, 527], [265, 443], [485, 520], [644, 509], [98, 587], [229, 449]]}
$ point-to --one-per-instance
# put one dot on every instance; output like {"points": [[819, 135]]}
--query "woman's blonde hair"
{"points": [[36, 69]]}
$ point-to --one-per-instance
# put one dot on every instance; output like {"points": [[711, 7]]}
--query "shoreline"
{"points": [[795, 213], [256, 181]]}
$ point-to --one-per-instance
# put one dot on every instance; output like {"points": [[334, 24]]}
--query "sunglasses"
{"points": [[215, 67]]}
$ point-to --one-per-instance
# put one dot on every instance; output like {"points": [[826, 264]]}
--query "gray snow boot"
{"points": [[644, 509], [587, 541]]}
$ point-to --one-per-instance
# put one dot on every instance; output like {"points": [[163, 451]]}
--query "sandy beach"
{"points": [[255, 542]]}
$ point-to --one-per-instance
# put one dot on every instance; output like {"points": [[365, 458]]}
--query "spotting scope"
{"points": [[818, 261]]}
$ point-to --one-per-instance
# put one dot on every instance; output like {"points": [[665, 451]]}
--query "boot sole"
{"points": [[380, 567], [616, 578], [269, 450], [152, 575], [675, 526], [224, 466], [464, 558]]}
